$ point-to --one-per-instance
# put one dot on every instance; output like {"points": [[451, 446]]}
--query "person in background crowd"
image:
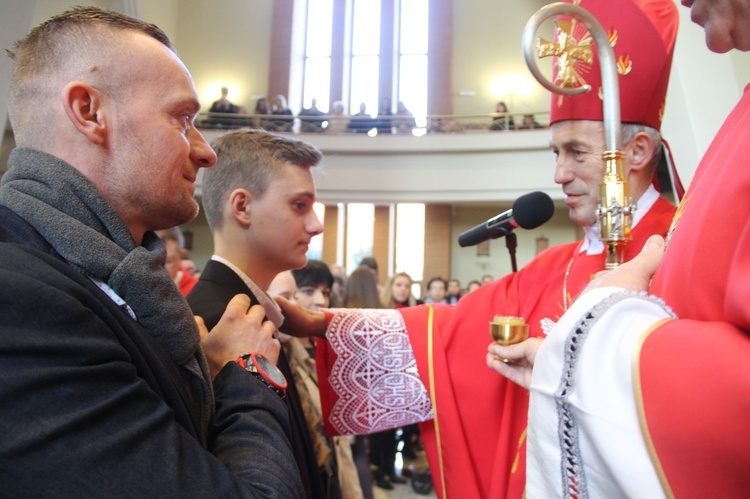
{"points": [[188, 266], [404, 119], [337, 120], [223, 105], [361, 122], [283, 120], [397, 292], [175, 244], [310, 120], [436, 289], [262, 107], [313, 284], [285, 286], [371, 264], [529, 123], [502, 120], [383, 123], [473, 286], [454, 291]]}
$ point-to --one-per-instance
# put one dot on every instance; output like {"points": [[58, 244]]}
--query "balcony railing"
{"points": [[380, 125]]}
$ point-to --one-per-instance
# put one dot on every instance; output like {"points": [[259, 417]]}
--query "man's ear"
{"points": [[83, 105], [641, 150], [239, 202]]}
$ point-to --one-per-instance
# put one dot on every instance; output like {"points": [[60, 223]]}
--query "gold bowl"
{"points": [[507, 330]]}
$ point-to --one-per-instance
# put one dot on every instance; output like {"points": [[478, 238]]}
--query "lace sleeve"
{"points": [[375, 374]]}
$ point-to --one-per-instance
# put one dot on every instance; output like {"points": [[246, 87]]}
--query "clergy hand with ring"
{"points": [[521, 358]]}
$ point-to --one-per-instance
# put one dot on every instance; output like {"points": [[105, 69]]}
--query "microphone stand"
{"points": [[512, 243]]}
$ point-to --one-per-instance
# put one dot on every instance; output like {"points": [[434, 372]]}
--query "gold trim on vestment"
{"points": [[431, 368], [514, 468], [640, 407]]}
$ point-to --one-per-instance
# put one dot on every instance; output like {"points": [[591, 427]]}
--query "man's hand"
{"points": [[300, 322], [240, 331], [521, 356], [636, 274], [202, 329]]}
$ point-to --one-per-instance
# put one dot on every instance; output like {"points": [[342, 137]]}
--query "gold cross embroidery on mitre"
{"points": [[569, 53]]}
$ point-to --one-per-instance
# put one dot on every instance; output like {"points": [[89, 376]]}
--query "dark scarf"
{"points": [[79, 223]]}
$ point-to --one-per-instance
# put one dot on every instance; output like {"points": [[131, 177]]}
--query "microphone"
{"points": [[529, 212]]}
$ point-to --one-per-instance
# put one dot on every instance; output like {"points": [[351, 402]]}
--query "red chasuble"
{"points": [[695, 371], [476, 442]]}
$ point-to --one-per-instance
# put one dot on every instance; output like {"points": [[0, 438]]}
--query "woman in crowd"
{"points": [[397, 292]]}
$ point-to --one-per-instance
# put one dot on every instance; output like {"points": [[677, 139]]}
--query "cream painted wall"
{"points": [[48, 8], [163, 13], [466, 265], [222, 42], [487, 58], [227, 42]]}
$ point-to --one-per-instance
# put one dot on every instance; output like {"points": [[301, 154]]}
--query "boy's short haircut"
{"points": [[249, 159]]}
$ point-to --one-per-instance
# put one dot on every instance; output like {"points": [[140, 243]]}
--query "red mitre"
{"points": [[642, 33]]}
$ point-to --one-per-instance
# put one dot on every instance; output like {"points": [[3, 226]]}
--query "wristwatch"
{"points": [[265, 370]]}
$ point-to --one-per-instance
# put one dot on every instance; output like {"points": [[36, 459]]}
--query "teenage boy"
{"points": [[259, 205]]}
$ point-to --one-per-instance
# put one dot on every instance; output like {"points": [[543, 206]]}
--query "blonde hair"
{"points": [[387, 295]]}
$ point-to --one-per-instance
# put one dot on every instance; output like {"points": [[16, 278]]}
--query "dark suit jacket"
{"points": [[218, 284], [91, 405]]}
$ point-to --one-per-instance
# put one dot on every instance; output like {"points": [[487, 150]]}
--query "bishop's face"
{"points": [[578, 146]]}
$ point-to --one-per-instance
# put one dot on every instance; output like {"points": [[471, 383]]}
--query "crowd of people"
{"points": [[335, 120], [115, 384], [310, 119]]}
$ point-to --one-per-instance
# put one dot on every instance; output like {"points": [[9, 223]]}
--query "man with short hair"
{"points": [[454, 291], [473, 421], [435, 290], [109, 388], [259, 201]]}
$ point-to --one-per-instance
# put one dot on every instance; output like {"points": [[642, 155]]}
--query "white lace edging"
{"points": [[375, 374]]}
